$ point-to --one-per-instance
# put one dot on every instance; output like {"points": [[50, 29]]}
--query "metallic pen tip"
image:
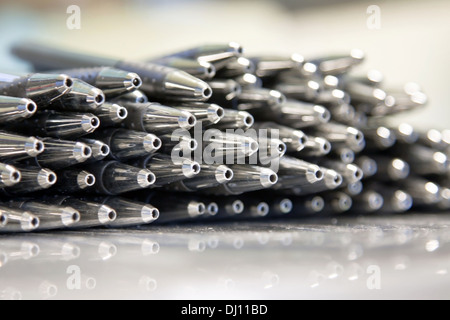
{"points": [[209, 69], [344, 202], [375, 201], [317, 204], [132, 82], [386, 137], [152, 143], [187, 120], [29, 223], [121, 112], [149, 214], [402, 201], [224, 174], [248, 120], [398, 169], [191, 169], [104, 150], [286, 206], [324, 145], [82, 152], [268, 178], [347, 155], [70, 216], [34, 146], [355, 188], [356, 136], [85, 179], [262, 209], [356, 174], [314, 174], [358, 54], [89, 123], [369, 167], [277, 98], [28, 107], [3, 220], [64, 82], [323, 114], [332, 179], [215, 113], [212, 209], [46, 178], [196, 209], [10, 176], [441, 161], [236, 48], [238, 207], [95, 97], [205, 92], [146, 178], [106, 215]]}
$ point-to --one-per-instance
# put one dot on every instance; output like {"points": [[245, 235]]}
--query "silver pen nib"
{"points": [[16, 147], [82, 97], [111, 114], [62, 153], [14, 110]]}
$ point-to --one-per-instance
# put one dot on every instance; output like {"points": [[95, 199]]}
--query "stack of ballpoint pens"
{"points": [[224, 137]]}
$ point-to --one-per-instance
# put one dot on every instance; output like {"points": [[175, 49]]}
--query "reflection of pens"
{"points": [[157, 81]]}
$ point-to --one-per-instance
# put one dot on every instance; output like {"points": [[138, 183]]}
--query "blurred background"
{"points": [[410, 45]]}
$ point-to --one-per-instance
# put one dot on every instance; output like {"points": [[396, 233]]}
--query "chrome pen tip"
{"points": [[70, 216], [314, 174], [355, 173], [317, 204], [236, 48], [215, 113], [398, 169], [276, 97], [196, 209], [190, 168], [30, 222], [82, 152], [375, 201], [3, 221], [237, 207], [385, 137], [95, 97], [34, 147], [212, 209], [262, 209], [441, 161], [208, 69], [224, 174], [332, 179], [151, 143], [27, 107], [322, 113], [10, 176], [149, 214], [146, 178], [268, 178], [64, 83], [46, 178], [89, 123], [187, 120], [286, 206], [356, 137], [106, 214], [402, 201], [85, 179], [344, 202], [132, 82]]}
